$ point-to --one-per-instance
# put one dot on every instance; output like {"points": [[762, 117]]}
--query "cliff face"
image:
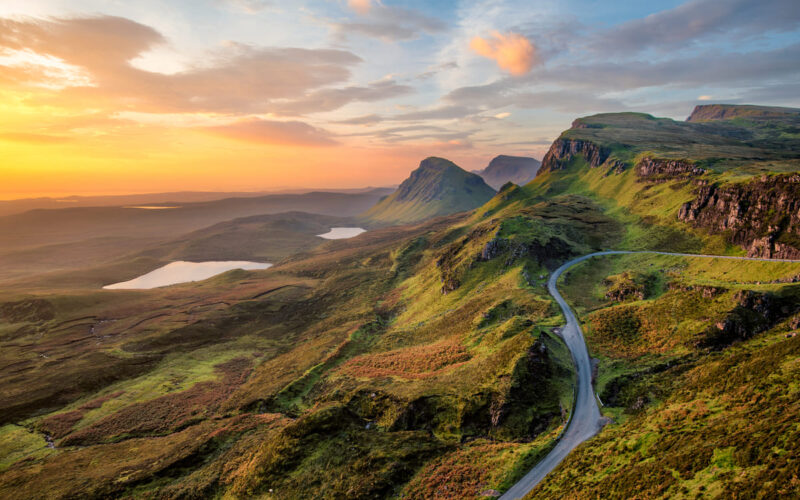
{"points": [[564, 150], [763, 216], [653, 169]]}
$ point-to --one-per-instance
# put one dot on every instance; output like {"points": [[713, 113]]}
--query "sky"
{"points": [[116, 97]]}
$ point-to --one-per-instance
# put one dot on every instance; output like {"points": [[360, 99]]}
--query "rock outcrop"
{"points": [[762, 216], [754, 313], [564, 150], [661, 170]]}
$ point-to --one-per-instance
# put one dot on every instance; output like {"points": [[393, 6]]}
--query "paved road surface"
{"points": [[585, 420]]}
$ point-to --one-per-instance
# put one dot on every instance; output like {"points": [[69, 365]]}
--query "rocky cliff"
{"points": [[661, 170], [563, 151], [763, 215]]}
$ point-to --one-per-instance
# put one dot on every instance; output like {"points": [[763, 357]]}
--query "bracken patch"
{"points": [[410, 362]]}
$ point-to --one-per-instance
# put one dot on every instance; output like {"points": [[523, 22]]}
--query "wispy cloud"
{"points": [[697, 20], [331, 99], [387, 23], [274, 132]]}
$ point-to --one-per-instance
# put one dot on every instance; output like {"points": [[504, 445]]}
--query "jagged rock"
{"points": [[563, 150], [661, 170], [762, 216], [493, 248]]}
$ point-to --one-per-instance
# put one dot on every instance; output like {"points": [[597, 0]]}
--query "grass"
{"points": [[17, 442], [685, 416], [421, 358]]}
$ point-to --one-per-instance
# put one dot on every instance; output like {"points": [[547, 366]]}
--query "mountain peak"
{"points": [[437, 187], [505, 168]]}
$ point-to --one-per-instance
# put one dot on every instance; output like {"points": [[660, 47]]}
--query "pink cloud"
{"points": [[360, 6], [512, 52]]}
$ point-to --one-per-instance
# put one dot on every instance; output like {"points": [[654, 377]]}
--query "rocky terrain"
{"points": [[762, 215]]}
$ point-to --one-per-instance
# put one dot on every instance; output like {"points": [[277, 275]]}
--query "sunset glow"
{"points": [[227, 95]]}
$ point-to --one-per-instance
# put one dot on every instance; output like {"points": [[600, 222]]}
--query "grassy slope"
{"points": [[690, 421], [363, 378], [698, 412], [358, 378]]}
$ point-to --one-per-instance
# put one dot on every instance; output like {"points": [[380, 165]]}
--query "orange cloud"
{"points": [[360, 6], [241, 79], [512, 52]]}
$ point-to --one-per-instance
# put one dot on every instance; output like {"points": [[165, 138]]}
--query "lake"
{"points": [[184, 272], [340, 233]]}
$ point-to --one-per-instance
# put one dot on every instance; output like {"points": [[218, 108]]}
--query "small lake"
{"points": [[340, 233], [184, 272]]}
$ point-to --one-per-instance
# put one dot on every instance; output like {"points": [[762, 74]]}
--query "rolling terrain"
{"points": [[42, 242], [426, 360]]}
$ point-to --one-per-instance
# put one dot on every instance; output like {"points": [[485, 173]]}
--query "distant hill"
{"points": [[267, 238], [9, 207], [503, 168], [45, 240], [437, 187], [710, 112]]}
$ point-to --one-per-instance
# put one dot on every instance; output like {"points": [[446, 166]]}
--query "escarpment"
{"points": [[564, 150], [661, 170], [763, 216]]}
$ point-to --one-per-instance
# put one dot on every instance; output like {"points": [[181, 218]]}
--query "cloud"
{"points": [[360, 6], [704, 98], [699, 19], [440, 113], [362, 120], [512, 52], [274, 132], [389, 23], [248, 6], [236, 79], [331, 99]]}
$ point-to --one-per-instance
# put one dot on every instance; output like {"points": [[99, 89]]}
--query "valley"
{"points": [[428, 342]]}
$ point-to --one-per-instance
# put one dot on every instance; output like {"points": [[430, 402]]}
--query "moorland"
{"points": [[423, 358]]}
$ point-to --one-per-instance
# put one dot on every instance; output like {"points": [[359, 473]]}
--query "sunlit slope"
{"points": [[697, 369], [437, 187], [367, 367], [721, 185]]}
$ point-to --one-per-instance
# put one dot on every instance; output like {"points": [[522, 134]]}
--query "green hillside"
{"points": [[424, 360], [437, 187]]}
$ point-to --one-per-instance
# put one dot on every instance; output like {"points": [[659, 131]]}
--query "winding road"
{"points": [[585, 420]]}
